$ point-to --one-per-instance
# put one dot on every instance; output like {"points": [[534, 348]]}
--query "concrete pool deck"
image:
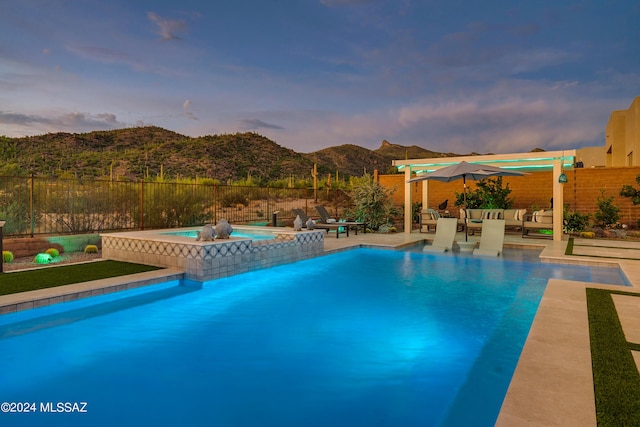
{"points": [[552, 384]]}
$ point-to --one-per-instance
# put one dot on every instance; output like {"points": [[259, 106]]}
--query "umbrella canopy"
{"points": [[466, 170]]}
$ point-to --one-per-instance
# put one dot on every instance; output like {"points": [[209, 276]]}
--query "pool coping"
{"points": [[42, 297]]}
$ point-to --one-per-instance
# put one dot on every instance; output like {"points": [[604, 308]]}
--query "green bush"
{"points": [[53, 252], [608, 213], [91, 249], [575, 222], [7, 256], [372, 202], [632, 193], [489, 194]]}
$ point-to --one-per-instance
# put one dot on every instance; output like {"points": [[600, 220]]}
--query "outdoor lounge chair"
{"points": [[303, 216], [445, 234], [492, 238], [324, 214], [428, 218], [327, 219], [338, 227]]}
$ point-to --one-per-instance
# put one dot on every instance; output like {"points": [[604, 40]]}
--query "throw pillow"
{"points": [[537, 215], [491, 215]]}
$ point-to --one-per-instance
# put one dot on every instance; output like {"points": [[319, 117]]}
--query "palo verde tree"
{"points": [[372, 202], [632, 193]]}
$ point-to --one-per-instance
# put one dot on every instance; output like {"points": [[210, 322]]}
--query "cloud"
{"points": [[508, 117], [185, 110], [70, 122], [106, 56], [88, 121], [167, 29], [254, 124], [502, 125], [9, 118], [332, 3]]}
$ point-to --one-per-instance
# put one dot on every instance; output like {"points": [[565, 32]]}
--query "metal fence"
{"points": [[32, 205]]}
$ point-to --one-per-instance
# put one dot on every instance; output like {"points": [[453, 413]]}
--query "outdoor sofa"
{"points": [[538, 220], [428, 219], [513, 218]]}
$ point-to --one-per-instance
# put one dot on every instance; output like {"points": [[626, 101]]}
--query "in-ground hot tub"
{"points": [[202, 261]]}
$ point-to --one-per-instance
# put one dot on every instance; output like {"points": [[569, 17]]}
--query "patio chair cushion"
{"points": [[514, 214], [542, 216], [491, 214]]}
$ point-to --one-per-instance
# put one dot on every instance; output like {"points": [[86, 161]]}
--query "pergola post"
{"points": [[558, 200], [408, 220]]}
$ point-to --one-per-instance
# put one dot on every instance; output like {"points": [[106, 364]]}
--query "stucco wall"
{"points": [[534, 191]]}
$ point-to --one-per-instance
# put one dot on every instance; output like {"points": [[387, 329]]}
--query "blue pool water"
{"points": [[360, 338]]}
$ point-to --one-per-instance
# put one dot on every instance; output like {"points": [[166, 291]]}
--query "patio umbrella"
{"points": [[466, 170]]}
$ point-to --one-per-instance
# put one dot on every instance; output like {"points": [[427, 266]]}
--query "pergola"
{"points": [[524, 162]]}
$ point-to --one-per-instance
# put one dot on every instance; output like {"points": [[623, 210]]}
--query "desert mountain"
{"points": [[136, 153]]}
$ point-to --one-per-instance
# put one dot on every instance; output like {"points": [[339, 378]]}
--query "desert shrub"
{"points": [[608, 213], [632, 193], [489, 194], [575, 222], [91, 249], [7, 256], [473, 199], [53, 252], [372, 202], [416, 208], [233, 198]]}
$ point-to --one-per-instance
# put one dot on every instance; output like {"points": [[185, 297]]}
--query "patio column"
{"points": [[425, 194], [407, 200], [558, 200]]}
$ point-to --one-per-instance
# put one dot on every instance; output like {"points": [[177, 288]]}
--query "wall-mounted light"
{"points": [[562, 179]]}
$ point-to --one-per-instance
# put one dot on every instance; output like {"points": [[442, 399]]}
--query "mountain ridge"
{"points": [[141, 152]]}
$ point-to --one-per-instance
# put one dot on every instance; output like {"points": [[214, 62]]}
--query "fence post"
{"points": [[215, 203], [142, 205], [31, 207], [269, 203]]}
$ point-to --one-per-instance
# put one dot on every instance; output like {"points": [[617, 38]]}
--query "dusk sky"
{"points": [[451, 76]]}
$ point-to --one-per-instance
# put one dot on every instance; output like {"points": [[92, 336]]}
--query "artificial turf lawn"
{"points": [[569, 249], [31, 280], [616, 380]]}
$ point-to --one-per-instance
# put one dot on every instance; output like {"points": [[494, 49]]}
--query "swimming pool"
{"points": [[363, 337]]}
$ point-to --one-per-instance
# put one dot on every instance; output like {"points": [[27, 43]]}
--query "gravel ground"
{"points": [[65, 258]]}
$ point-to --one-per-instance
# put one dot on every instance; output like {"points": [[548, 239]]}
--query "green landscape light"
{"points": [[43, 259]]}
